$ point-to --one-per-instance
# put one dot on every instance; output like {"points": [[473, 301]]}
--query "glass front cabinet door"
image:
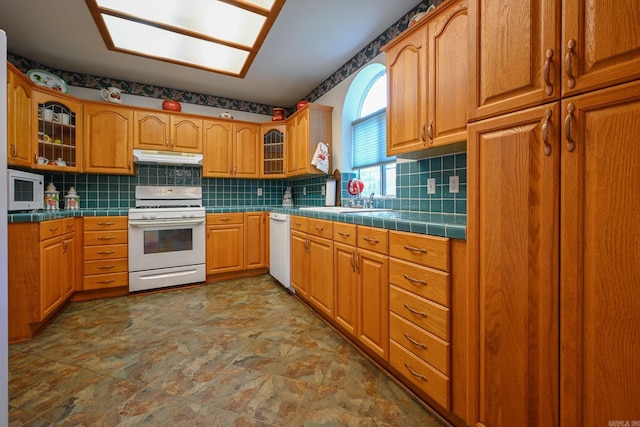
{"points": [[273, 141], [57, 142]]}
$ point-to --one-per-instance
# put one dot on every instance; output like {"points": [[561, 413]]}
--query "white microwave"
{"points": [[25, 192]]}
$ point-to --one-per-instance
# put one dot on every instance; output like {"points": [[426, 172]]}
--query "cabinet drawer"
{"points": [[53, 228], [345, 233], [105, 223], [426, 346], [430, 251], [118, 265], [424, 281], [225, 219], [102, 281], [98, 252], [299, 223], [112, 237], [373, 239], [424, 313], [68, 225], [421, 374], [320, 228]]}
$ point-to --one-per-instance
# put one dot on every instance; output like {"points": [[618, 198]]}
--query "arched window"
{"points": [[369, 133]]}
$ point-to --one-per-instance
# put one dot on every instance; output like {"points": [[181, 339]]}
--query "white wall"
{"points": [[4, 320]]}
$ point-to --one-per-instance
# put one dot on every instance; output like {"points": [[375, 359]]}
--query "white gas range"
{"points": [[166, 237]]}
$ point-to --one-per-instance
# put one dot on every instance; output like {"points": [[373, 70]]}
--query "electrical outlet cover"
{"points": [[431, 186], [454, 184]]}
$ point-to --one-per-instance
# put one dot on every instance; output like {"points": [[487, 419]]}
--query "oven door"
{"points": [[166, 243]]}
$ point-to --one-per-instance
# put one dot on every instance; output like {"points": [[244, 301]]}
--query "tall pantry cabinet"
{"points": [[552, 224]]}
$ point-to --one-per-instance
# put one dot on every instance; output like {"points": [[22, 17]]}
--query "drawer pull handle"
{"points": [[319, 228], [414, 342], [414, 373], [371, 240], [69, 225], [105, 267], [414, 249], [106, 281], [106, 223], [298, 224], [225, 219], [414, 311], [414, 280], [52, 229], [106, 238], [343, 234], [106, 252]]}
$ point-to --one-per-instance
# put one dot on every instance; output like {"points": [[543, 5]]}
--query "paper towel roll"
{"points": [[330, 193]]}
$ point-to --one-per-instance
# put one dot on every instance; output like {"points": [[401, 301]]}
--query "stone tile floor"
{"points": [[234, 353]]}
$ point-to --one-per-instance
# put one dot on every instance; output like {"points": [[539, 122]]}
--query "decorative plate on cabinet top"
{"points": [[47, 79]]}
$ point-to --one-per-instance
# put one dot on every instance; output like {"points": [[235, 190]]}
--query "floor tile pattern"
{"points": [[239, 353]]}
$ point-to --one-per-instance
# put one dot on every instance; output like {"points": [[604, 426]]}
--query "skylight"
{"points": [[223, 36]]}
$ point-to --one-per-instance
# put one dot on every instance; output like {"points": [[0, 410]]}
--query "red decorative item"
{"points": [[301, 104], [355, 187], [171, 105], [278, 114]]}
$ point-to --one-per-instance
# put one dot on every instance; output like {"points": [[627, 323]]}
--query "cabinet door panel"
{"points": [[513, 276], [19, 111], [373, 297], [321, 274], [507, 55], [299, 264], [225, 248], [217, 156], [151, 131], [246, 154], [52, 276], [254, 239], [607, 43], [186, 134], [109, 139], [600, 272], [346, 281]]}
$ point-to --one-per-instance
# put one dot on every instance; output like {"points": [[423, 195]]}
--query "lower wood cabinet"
{"points": [[312, 263], [105, 252], [235, 242], [42, 273]]}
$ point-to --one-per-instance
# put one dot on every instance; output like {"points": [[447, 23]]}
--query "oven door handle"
{"points": [[143, 224]]}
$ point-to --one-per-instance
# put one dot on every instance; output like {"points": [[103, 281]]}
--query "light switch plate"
{"points": [[259, 192], [323, 190], [454, 184], [431, 186], [304, 191]]}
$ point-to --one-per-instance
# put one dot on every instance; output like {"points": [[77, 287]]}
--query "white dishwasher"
{"points": [[280, 248]]}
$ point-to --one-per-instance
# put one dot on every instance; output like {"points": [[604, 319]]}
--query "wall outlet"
{"points": [[304, 191], [323, 190], [259, 192], [454, 184], [431, 186]]}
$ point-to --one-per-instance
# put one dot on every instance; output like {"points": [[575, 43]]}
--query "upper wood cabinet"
{"points": [[108, 132], [19, 111], [57, 134], [231, 149], [427, 82], [273, 150], [168, 132], [305, 129], [547, 49]]}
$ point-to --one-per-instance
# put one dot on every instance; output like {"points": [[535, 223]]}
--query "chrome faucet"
{"points": [[371, 200]]}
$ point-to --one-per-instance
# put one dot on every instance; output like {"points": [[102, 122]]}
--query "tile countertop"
{"points": [[444, 225]]}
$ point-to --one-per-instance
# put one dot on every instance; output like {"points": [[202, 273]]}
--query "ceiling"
{"points": [[309, 41]]}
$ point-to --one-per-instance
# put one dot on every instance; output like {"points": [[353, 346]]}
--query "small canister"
{"points": [[72, 200], [51, 198]]}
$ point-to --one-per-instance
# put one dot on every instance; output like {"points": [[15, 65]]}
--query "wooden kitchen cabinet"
{"points": [[108, 136], [427, 82], [273, 150], [305, 129], [105, 252], [55, 139], [231, 149], [42, 273], [225, 242], [547, 49], [19, 113], [167, 132], [599, 268], [255, 239]]}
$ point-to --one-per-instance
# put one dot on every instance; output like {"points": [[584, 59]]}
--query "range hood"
{"points": [[166, 157]]}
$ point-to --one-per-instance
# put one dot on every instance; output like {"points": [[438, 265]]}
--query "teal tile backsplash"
{"points": [[118, 192]]}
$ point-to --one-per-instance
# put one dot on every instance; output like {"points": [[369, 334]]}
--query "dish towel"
{"points": [[321, 157]]}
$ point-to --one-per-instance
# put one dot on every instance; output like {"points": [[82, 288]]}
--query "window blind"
{"points": [[370, 140]]}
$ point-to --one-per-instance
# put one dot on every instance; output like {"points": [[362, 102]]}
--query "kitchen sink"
{"points": [[341, 209]]}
